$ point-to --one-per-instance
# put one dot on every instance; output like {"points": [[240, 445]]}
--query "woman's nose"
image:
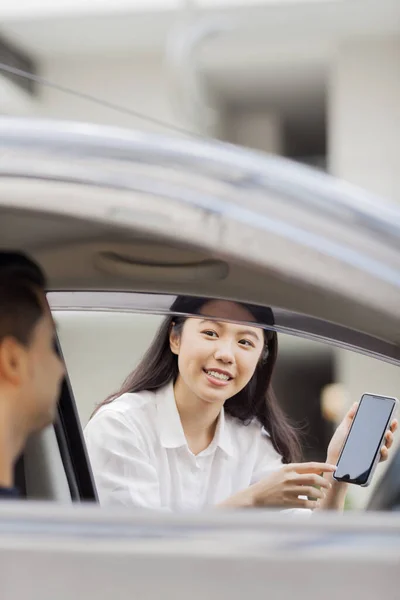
{"points": [[224, 353]]}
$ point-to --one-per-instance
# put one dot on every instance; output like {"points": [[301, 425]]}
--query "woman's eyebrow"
{"points": [[250, 333]]}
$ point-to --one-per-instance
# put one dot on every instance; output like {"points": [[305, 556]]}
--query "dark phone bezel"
{"points": [[367, 474]]}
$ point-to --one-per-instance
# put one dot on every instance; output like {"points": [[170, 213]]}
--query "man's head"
{"points": [[30, 368]]}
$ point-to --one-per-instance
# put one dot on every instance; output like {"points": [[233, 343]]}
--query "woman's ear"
{"points": [[174, 339]]}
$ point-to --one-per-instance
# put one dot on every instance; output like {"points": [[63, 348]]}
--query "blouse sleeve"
{"points": [[268, 461], [121, 467]]}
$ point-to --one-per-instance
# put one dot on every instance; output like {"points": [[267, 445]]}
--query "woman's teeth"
{"points": [[218, 375]]}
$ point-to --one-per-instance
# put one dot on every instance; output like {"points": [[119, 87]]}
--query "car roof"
{"points": [[108, 209]]}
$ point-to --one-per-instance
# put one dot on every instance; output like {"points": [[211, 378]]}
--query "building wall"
{"points": [[257, 129], [135, 84], [364, 115]]}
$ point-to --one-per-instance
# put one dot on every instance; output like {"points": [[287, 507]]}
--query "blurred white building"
{"points": [[318, 80]]}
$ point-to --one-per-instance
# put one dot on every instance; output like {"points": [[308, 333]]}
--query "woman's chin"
{"points": [[214, 395]]}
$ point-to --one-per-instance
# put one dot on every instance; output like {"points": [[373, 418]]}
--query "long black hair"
{"points": [[159, 366]]}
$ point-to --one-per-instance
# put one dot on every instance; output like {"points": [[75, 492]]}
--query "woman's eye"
{"points": [[247, 343], [210, 333]]}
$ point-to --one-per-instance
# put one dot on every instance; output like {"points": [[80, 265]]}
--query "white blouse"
{"points": [[140, 456]]}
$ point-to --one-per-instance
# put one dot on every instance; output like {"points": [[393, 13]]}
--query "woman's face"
{"points": [[217, 359]]}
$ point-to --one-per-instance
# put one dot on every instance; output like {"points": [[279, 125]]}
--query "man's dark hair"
{"points": [[21, 281], [18, 265]]}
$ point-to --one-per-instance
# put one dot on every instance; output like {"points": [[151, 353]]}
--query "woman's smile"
{"points": [[218, 377]]}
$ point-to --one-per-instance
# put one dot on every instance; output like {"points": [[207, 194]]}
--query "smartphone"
{"points": [[361, 451]]}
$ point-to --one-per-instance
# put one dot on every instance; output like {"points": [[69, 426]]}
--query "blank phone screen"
{"points": [[364, 439]]}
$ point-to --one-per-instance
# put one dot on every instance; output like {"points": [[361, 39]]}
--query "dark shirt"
{"points": [[8, 492]]}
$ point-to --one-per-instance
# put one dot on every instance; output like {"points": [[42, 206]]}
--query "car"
{"points": [[123, 221]]}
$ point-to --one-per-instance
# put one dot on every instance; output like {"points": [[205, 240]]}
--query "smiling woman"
{"points": [[197, 424]]}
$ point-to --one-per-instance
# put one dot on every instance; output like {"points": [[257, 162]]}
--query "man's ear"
{"points": [[174, 340], [11, 360]]}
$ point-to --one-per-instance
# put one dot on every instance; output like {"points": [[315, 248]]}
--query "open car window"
{"points": [[315, 381]]}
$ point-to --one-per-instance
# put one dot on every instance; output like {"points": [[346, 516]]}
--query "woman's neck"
{"points": [[199, 419]]}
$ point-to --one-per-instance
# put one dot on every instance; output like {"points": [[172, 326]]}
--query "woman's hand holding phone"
{"points": [[307, 485], [335, 499], [340, 435]]}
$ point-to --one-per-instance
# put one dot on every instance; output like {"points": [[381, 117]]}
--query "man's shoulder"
{"points": [[8, 492]]}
